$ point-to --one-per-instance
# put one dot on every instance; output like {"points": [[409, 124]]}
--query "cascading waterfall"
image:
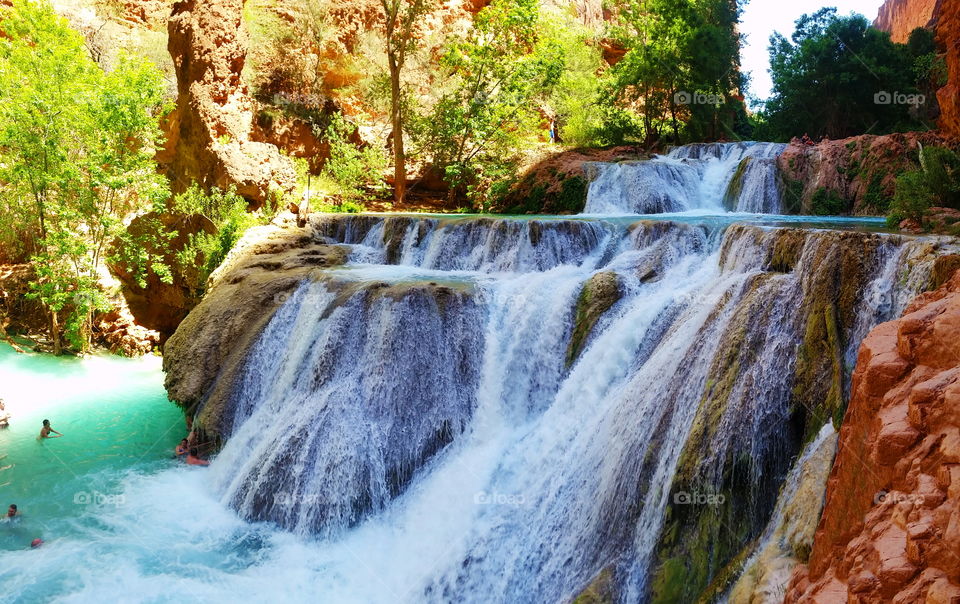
{"points": [[715, 177], [424, 398]]}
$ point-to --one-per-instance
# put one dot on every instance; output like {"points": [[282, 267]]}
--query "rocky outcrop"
{"points": [[900, 17], [558, 183], [850, 176], [244, 293], [948, 37], [890, 530], [598, 295], [156, 303], [210, 134]]}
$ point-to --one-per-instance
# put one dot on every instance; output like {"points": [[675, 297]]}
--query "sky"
{"points": [[763, 17]]}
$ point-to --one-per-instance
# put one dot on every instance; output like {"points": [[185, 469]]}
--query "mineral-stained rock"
{"points": [[244, 293], [154, 303], [860, 172], [211, 132], [889, 531], [600, 293]]}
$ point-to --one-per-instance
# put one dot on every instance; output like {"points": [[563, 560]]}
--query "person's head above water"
{"points": [[193, 451], [183, 442], [46, 423], [12, 510]]}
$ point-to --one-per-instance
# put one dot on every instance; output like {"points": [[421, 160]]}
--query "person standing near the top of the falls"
{"points": [[47, 429]]}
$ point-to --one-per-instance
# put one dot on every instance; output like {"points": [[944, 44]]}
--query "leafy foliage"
{"points": [[680, 77], [838, 76], [76, 149], [352, 170], [936, 183], [476, 131]]}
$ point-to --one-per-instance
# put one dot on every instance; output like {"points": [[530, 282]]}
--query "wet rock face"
{"points": [[891, 524], [598, 295], [211, 131], [245, 292]]}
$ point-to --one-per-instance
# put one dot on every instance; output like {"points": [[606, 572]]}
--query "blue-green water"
{"points": [[114, 416]]}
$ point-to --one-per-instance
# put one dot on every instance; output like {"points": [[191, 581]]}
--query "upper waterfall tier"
{"points": [[711, 177]]}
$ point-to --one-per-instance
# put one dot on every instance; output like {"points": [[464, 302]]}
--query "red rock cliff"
{"points": [[890, 530], [210, 131], [900, 17], [948, 36]]}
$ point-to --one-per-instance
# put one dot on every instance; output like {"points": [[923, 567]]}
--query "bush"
{"points": [[352, 173], [827, 203], [936, 183], [912, 198]]}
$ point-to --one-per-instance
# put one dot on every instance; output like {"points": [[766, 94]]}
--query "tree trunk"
{"points": [[55, 333], [396, 119]]}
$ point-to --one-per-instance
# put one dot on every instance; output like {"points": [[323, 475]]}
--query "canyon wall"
{"points": [[900, 17], [210, 131], [890, 531], [948, 35]]}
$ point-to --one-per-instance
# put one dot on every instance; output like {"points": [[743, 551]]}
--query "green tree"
{"points": [[400, 21], [681, 74], [838, 77], [477, 130], [76, 148]]}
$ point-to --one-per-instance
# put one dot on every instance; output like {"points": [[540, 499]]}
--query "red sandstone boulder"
{"points": [[890, 530]]}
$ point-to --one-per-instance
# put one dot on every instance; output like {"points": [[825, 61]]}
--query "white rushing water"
{"points": [[717, 177], [417, 426], [415, 410]]}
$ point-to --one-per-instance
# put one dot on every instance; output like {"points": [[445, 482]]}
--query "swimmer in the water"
{"points": [[46, 430]]}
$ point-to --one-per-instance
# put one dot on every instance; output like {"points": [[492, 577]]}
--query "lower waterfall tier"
{"points": [[517, 407]]}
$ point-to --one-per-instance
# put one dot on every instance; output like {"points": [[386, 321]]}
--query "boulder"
{"points": [[889, 527]]}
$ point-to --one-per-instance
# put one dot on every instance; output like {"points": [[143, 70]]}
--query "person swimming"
{"points": [[4, 415], [12, 511], [193, 459], [183, 448], [46, 430]]}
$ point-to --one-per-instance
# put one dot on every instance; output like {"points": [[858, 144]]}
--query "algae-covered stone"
{"points": [[600, 591], [243, 294], [598, 295]]}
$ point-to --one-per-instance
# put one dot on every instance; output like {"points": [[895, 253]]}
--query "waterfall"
{"points": [[715, 177], [425, 402]]}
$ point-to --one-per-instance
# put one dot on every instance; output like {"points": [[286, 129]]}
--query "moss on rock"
{"points": [[598, 295]]}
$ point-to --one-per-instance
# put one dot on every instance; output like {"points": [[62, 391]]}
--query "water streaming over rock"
{"points": [[426, 397], [715, 177]]}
